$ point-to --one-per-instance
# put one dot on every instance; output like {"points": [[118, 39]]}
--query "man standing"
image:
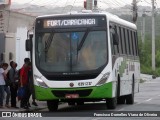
{"points": [[31, 87], [24, 82], [14, 84]]}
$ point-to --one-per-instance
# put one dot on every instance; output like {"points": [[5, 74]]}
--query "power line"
{"points": [[123, 2], [156, 3], [115, 3], [29, 2], [50, 2], [110, 4], [72, 5], [147, 2], [118, 2], [64, 6]]}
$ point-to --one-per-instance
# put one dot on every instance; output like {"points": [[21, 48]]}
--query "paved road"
{"points": [[148, 99]]}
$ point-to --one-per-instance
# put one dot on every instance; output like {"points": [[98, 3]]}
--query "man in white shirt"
{"points": [[2, 82]]}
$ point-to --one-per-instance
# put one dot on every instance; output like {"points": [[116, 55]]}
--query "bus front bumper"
{"points": [[96, 92]]}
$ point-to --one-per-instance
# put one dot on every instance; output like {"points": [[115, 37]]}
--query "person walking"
{"points": [[14, 84], [2, 82], [24, 82]]}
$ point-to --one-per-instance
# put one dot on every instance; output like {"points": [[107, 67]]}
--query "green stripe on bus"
{"points": [[104, 91]]}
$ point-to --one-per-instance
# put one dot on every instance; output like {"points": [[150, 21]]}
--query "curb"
{"points": [[32, 109]]}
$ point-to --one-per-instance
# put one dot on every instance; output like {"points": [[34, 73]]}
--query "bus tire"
{"points": [[121, 100], [130, 97], [111, 103], [71, 103], [52, 105], [80, 103], [118, 87]]}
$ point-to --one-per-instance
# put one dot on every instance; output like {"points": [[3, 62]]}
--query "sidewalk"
{"points": [[146, 77], [41, 105]]}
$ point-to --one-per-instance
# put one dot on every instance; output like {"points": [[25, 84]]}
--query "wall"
{"points": [[2, 47], [15, 27], [10, 47], [17, 19], [21, 53]]}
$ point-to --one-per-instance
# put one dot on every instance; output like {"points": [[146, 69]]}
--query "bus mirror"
{"points": [[28, 45], [115, 39]]}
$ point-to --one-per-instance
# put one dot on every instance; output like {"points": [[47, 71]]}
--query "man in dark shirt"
{"points": [[14, 84]]}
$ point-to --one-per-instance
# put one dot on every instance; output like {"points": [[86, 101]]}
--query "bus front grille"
{"points": [[81, 93]]}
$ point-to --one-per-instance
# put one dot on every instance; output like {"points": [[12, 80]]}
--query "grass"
{"points": [[142, 81]]}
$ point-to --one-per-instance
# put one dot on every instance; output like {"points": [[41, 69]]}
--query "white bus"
{"points": [[84, 57]]}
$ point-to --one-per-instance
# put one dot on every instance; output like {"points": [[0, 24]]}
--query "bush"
{"points": [[148, 70], [145, 55]]}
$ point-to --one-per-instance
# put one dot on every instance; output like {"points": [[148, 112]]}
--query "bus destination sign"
{"points": [[69, 22]]}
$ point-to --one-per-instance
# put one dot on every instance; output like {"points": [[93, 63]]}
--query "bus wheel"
{"points": [[80, 103], [111, 103], [52, 105], [130, 97], [71, 103], [121, 100]]}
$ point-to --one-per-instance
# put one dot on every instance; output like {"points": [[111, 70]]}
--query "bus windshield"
{"points": [[70, 51]]}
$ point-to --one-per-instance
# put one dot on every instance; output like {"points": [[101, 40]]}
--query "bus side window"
{"points": [[133, 43], [120, 41], [130, 42], [123, 41], [116, 46], [128, 39], [136, 43], [127, 42], [111, 39], [112, 35]]}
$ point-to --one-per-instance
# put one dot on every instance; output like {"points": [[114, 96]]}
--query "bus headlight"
{"points": [[103, 79], [40, 81]]}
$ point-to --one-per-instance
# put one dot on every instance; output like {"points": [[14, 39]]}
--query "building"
{"points": [[13, 33]]}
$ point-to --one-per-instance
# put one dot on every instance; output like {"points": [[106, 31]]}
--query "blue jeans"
{"points": [[7, 90], [1, 94]]}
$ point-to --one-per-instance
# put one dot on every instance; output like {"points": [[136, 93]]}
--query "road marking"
{"points": [[96, 118], [121, 109], [148, 100], [151, 82], [137, 103]]}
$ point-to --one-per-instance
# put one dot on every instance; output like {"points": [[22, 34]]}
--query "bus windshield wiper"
{"points": [[83, 39], [48, 41]]}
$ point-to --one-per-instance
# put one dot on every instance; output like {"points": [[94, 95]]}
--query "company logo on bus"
{"points": [[71, 84]]}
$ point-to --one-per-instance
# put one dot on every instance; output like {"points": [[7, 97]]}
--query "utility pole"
{"points": [[153, 36], [134, 3], [89, 4], [143, 27], [95, 5]]}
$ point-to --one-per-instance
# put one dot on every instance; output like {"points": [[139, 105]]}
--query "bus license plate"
{"points": [[72, 96]]}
